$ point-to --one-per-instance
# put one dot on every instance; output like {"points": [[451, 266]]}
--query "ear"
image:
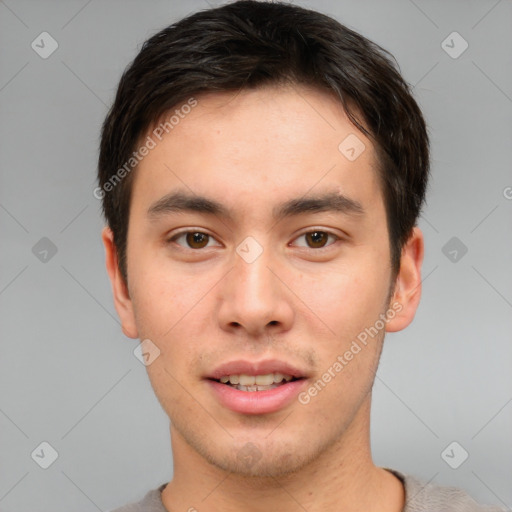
{"points": [[407, 293], [122, 301]]}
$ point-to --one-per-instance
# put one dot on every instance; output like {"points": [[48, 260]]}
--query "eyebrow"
{"points": [[178, 202]]}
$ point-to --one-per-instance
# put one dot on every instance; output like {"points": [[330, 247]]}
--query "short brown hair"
{"points": [[247, 44]]}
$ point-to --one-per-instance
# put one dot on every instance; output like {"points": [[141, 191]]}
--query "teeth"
{"points": [[245, 380], [264, 380], [255, 380], [256, 387], [278, 377]]}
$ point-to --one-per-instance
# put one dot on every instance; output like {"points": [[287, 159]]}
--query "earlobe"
{"points": [[407, 293], [122, 300]]}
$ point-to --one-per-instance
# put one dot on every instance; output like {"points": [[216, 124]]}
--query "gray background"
{"points": [[69, 377]]}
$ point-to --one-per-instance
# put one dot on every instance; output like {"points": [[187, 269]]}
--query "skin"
{"points": [[296, 302]]}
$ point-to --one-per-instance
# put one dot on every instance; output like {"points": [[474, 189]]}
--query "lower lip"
{"points": [[257, 402]]}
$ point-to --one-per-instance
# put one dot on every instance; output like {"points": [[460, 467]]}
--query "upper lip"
{"points": [[255, 368]]}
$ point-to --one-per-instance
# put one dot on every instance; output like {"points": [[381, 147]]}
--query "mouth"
{"points": [[252, 383], [256, 388]]}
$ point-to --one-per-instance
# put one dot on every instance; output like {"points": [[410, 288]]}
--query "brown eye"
{"points": [[316, 239], [192, 239], [197, 240]]}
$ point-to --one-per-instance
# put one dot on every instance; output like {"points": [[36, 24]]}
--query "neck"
{"points": [[342, 477]]}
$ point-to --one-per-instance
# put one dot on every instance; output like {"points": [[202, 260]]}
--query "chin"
{"points": [[260, 457], [251, 462]]}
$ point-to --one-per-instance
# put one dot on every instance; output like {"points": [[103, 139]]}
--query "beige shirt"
{"points": [[419, 497]]}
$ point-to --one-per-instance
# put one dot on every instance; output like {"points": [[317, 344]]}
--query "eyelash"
{"points": [[318, 249]]}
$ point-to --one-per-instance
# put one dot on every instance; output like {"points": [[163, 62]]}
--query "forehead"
{"points": [[263, 144]]}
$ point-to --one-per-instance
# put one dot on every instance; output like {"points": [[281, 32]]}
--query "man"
{"points": [[262, 171]]}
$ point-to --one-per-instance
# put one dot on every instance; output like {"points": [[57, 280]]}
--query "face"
{"points": [[285, 259]]}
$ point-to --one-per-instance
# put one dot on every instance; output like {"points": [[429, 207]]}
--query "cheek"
{"points": [[161, 295], [171, 309], [346, 297]]}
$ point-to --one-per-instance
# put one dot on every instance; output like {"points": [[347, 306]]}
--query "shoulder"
{"points": [[427, 497], [152, 502]]}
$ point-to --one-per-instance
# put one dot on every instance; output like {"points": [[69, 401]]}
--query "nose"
{"points": [[255, 297]]}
